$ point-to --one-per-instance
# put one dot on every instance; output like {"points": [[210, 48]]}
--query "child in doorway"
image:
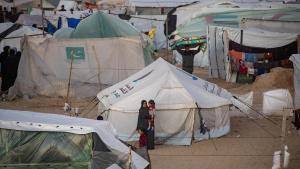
{"points": [[151, 106]]}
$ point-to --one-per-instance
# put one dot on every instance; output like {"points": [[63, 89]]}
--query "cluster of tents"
{"points": [[114, 62]]}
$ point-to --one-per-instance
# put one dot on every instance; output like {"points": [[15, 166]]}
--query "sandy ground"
{"points": [[249, 145]]}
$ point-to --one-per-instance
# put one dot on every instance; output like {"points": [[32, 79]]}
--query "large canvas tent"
{"points": [[38, 140], [185, 104], [296, 61], [104, 52]]}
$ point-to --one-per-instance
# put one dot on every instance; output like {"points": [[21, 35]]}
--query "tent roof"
{"points": [[31, 121], [169, 86], [102, 25], [261, 38], [196, 24], [159, 3]]}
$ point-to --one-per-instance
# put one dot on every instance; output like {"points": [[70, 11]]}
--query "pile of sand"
{"points": [[278, 78]]}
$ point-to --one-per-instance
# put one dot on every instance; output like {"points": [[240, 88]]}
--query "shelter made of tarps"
{"points": [[184, 104], [14, 39], [160, 3], [30, 20], [43, 139], [97, 63], [296, 62], [197, 26], [272, 25], [276, 101], [218, 45], [145, 22]]}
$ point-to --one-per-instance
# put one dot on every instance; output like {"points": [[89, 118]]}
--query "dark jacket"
{"points": [[143, 119]]}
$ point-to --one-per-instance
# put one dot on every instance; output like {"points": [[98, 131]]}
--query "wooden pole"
{"points": [[43, 17], [167, 31], [70, 75]]}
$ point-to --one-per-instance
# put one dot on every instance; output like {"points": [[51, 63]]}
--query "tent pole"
{"points": [[70, 74], [167, 34], [43, 15]]}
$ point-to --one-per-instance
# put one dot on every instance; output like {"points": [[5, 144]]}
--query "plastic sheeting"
{"points": [[261, 38], [296, 61], [37, 149], [272, 26], [196, 26], [98, 63], [102, 25], [14, 38], [145, 22], [43, 122], [160, 3], [217, 52], [275, 101], [29, 20]]}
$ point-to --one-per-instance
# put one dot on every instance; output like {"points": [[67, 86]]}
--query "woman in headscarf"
{"points": [[150, 131], [142, 124], [4, 66]]}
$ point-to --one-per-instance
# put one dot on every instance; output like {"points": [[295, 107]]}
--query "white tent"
{"points": [[275, 101], [31, 121], [98, 63], [14, 38], [29, 20], [181, 101], [296, 61]]}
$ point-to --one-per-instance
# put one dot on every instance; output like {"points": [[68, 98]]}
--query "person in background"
{"points": [[151, 127], [62, 8], [72, 11], [142, 124], [3, 60], [99, 117]]}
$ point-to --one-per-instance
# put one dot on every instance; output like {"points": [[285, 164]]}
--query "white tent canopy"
{"points": [[14, 38], [31, 121], [273, 26], [177, 94], [261, 38], [296, 61], [98, 63], [159, 3]]}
